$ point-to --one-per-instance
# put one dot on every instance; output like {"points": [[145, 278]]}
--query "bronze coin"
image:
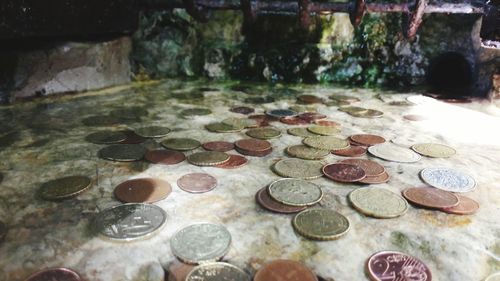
{"points": [[242, 110], [392, 266], [344, 172], [466, 206], [165, 157], [235, 161], [132, 138], [383, 178], [55, 274], [353, 143], [221, 146], [311, 116], [309, 99], [142, 190], [197, 182], [255, 153], [284, 270], [178, 271], [264, 200], [431, 197], [367, 139], [328, 123], [294, 121], [353, 151], [263, 120], [253, 145], [371, 168]]}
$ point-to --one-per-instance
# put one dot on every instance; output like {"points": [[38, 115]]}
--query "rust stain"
{"points": [[446, 220]]}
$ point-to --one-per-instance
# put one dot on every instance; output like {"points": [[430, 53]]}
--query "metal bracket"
{"points": [[357, 12]]}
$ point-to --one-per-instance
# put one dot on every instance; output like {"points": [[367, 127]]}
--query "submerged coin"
{"points": [[284, 270], [208, 158], [353, 109], [367, 139], [346, 98], [202, 242], [235, 161], [306, 152], [294, 121], [392, 266], [263, 120], [434, 150], [278, 113], [196, 111], [371, 168], [448, 179], [142, 190], [264, 133], [353, 151], [298, 168], [182, 144], [132, 138], [370, 113], [106, 137], [466, 206], [321, 224], [242, 110], [324, 130], [197, 182], [311, 116], [122, 152], [152, 131], [295, 192], [300, 132], [55, 274], [221, 146], [64, 188], [326, 142], [130, 221], [220, 127], [217, 271], [378, 202], [165, 157], [263, 198], [344, 172], [309, 99], [431, 197], [383, 178], [253, 145], [241, 122], [395, 153]]}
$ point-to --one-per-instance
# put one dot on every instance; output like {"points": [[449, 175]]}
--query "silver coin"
{"points": [[281, 113], [295, 192], [202, 242], [3, 231], [448, 179], [217, 271], [129, 222], [395, 153]]}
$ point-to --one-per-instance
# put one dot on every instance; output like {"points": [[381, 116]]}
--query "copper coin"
{"points": [[367, 139], [309, 99], [142, 190], [284, 270], [311, 116], [235, 161], [255, 153], [353, 151], [178, 271], [383, 178], [263, 120], [221, 146], [394, 266], [263, 198], [253, 145], [344, 172], [55, 274], [328, 123], [197, 182], [294, 121], [371, 168], [466, 206], [353, 143], [165, 157], [242, 110], [431, 197], [132, 138]]}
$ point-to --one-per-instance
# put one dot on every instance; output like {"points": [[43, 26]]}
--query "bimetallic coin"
{"points": [[220, 127], [430, 197], [197, 182], [353, 151], [165, 157], [383, 178], [378, 202], [370, 113], [448, 179], [344, 172], [122, 152], [295, 192], [321, 224], [395, 153], [264, 133], [434, 150], [242, 110], [466, 206], [130, 221], [326, 142], [55, 274], [202, 242], [208, 158], [241, 122], [298, 168], [217, 271], [278, 113], [262, 197], [284, 270], [371, 168], [394, 266], [142, 190], [3, 231], [300, 132], [235, 161], [152, 131], [182, 144], [64, 188], [324, 130], [367, 139], [196, 112], [306, 152], [222, 146], [106, 137]]}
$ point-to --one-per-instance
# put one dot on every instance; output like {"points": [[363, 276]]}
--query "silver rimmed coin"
{"points": [[278, 113], [448, 179], [217, 271], [395, 153], [295, 192], [122, 152], [201, 242]]}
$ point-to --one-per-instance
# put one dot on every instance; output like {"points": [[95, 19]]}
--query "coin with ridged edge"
{"points": [[321, 224], [64, 188], [220, 127], [152, 131], [285, 270], [448, 179], [300, 132], [394, 153], [217, 271], [208, 158], [378, 202], [181, 144], [55, 274], [106, 137], [434, 150], [122, 152], [324, 130], [268, 203], [398, 266], [306, 152], [326, 142], [264, 133], [298, 168], [295, 192]]}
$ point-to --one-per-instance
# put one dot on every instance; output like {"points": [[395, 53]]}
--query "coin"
{"points": [[263, 198], [196, 111], [378, 202], [278, 113], [324, 130], [295, 192], [132, 138], [165, 157], [309, 99], [391, 265], [64, 188], [241, 122], [395, 153], [253, 145], [217, 271], [434, 150], [298, 168], [201, 242], [55, 274], [345, 98], [431, 197], [311, 116], [383, 178], [122, 152], [326, 123], [178, 271], [106, 137], [208, 158], [152, 131], [197, 182], [182, 144], [321, 224], [294, 121], [3, 231], [326, 142], [264, 133], [448, 179], [353, 151], [255, 153], [300, 132], [344, 172], [263, 120], [352, 109], [466, 206], [235, 161], [284, 270], [370, 113], [220, 127], [367, 139], [142, 190], [131, 221], [371, 168], [221, 146], [242, 110], [306, 152]]}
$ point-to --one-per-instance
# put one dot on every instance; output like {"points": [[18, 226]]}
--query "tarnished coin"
{"points": [[235, 161], [434, 150], [221, 146], [321, 224], [430, 197], [371, 168], [295, 192], [142, 190], [253, 144], [353, 151], [64, 188], [448, 179], [300, 132], [55, 274], [378, 202], [201, 242], [294, 121], [306, 152], [352, 109], [130, 221], [326, 123], [152, 131], [3, 231], [298, 168], [367, 139], [466, 206], [197, 182], [196, 111], [106, 137], [284, 270], [255, 153], [394, 266], [182, 144], [326, 142], [122, 152], [132, 138], [395, 153], [165, 157], [344, 172], [208, 158], [262, 197], [242, 110], [370, 113], [383, 178], [263, 120], [217, 271], [220, 127], [309, 99], [278, 113], [241, 122], [264, 133], [324, 130]]}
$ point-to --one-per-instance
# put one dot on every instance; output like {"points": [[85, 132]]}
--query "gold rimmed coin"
{"points": [[142, 190], [181, 144], [264, 133], [306, 152], [434, 150], [321, 224], [64, 188], [208, 158], [326, 142], [220, 127], [298, 168], [431, 197], [378, 202], [324, 130], [123, 152]]}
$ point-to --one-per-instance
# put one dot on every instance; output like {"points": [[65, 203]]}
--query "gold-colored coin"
{"points": [[152, 131], [122, 152], [264, 133], [435, 150], [295, 192], [306, 152], [241, 122], [298, 168], [324, 130], [321, 224], [208, 158], [370, 113], [64, 188], [300, 132], [326, 142], [378, 202], [182, 144], [220, 127]]}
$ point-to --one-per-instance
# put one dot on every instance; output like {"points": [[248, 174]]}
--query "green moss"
{"points": [[406, 244]]}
